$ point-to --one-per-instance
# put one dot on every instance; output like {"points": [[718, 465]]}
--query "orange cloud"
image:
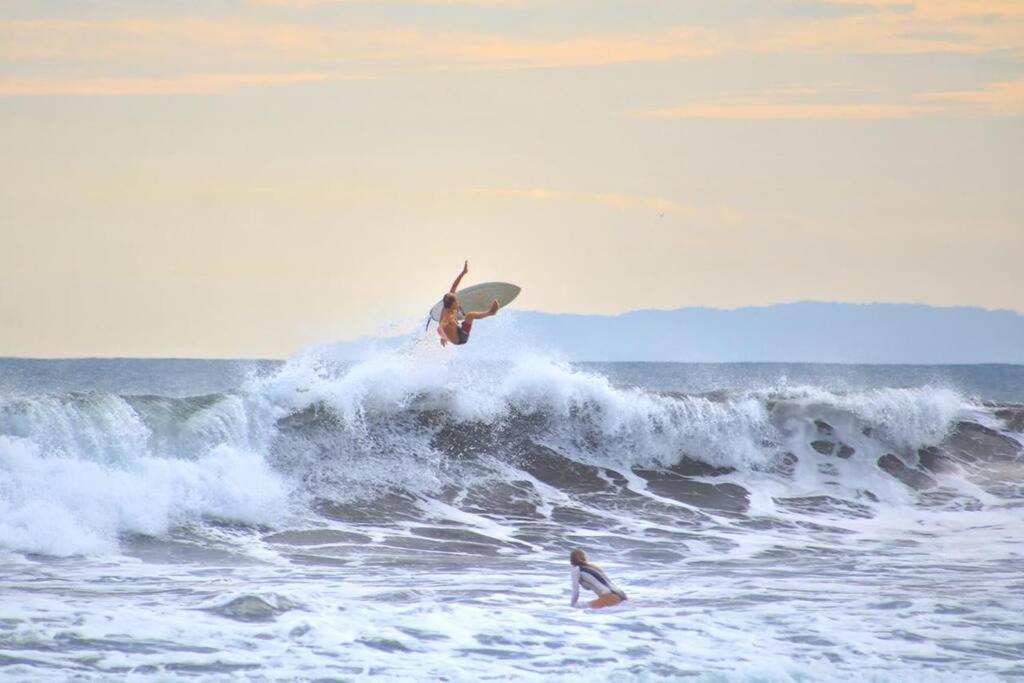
{"points": [[217, 41], [945, 9], [199, 41], [711, 215], [995, 99], [305, 4], [195, 41], [753, 111], [614, 200], [199, 84], [104, 47]]}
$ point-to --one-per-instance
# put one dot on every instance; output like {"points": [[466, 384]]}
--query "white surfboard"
{"points": [[479, 298]]}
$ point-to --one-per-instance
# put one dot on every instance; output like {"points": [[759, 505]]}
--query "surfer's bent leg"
{"points": [[606, 600], [477, 315], [467, 324]]}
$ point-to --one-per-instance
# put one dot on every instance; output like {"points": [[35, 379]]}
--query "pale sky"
{"points": [[242, 178]]}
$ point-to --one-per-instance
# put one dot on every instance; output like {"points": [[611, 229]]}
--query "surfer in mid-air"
{"points": [[448, 328]]}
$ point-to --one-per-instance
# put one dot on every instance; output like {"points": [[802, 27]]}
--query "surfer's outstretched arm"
{"points": [[575, 586], [455, 285]]}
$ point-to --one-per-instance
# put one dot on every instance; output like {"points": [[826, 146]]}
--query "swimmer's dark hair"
{"points": [[449, 299], [578, 558]]}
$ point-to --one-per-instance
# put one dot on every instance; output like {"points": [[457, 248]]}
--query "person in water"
{"points": [[590, 576], [448, 328]]}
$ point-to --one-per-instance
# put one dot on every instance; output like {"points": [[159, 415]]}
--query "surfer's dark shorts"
{"points": [[463, 330]]}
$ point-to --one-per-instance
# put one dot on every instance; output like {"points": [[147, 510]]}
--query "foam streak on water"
{"points": [[410, 516]]}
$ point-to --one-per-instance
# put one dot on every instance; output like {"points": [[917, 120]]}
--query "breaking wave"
{"points": [[80, 471]]}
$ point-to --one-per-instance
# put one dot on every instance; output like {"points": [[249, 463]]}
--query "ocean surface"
{"points": [[409, 516]]}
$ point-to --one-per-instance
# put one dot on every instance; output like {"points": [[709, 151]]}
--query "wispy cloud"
{"points": [[305, 4], [74, 56], [614, 200], [995, 99], [666, 45], [198, 84], [619, 201], [192, 41], [195, 46], [769, 111], [944, 9]]}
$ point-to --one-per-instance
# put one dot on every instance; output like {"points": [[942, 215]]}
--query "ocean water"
{"points": [[409, 516]]}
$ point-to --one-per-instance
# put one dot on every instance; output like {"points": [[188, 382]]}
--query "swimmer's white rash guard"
{"points": [[593, 579]]}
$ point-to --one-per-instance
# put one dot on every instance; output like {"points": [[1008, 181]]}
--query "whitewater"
{"points": [[409, 515]]}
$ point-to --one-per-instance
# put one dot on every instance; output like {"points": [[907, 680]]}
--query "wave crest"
{"points": [[81, 469]]}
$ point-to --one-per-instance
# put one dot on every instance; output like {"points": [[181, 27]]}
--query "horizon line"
{"points": [[40, 359]]}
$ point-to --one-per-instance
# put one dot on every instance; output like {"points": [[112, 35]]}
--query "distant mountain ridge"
{"points": [[814, 332]]}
